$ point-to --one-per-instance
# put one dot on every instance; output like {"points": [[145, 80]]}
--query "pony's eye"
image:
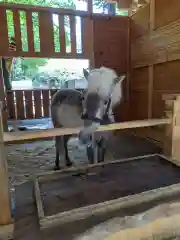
{"points": [[106, 101]]}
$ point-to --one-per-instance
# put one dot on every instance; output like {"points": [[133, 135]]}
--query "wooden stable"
{"points": [[144, 46]]}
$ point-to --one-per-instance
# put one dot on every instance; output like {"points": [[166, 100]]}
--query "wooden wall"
{"points": [[155, 57], [111, 41]]}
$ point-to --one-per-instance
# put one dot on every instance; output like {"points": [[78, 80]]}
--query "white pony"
{"points": [[71, 108], [104, 91]]}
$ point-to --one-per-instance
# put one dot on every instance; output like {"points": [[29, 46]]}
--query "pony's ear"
{"points": [[119, 79], [86, 73]]}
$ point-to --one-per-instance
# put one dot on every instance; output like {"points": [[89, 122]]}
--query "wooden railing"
{"points": [[23, 19], [29, 104]]}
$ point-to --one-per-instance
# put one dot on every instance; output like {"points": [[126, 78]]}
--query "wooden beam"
{"points": [[18, 136], [151, 66]]}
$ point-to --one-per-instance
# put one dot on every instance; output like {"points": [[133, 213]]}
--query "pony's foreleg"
{"points": [[90, 154], [67, 159], [101, 151]]}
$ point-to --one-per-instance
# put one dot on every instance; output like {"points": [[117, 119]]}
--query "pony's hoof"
{"points": [[56, 168], [69, 164]]}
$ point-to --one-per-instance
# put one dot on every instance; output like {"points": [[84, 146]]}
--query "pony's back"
{"points": [[66, 108]]}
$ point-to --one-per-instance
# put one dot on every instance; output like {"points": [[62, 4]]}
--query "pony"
{"points": [[72, 108]]}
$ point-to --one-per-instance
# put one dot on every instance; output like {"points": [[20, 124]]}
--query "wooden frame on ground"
{"points": [[100, 208]]}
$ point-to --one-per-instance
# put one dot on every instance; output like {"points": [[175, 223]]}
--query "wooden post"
{"points": [[5, 213], [151, 66], [172, 134], [2, 98]]}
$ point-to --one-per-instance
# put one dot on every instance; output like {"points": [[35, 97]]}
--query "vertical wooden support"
{"points": [[5, 214], [151, 66], [2, 98], [3, 31], [172, 135], [73, 35], [88, 42]]}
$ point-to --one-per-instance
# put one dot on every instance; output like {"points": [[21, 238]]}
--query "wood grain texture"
{"points": [[20, 104], [140, 22], [138, 105], [28, 104], [139, 79], [161, 46], [3, 32], [166, 12]]}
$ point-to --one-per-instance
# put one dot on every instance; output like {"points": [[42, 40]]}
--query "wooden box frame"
{"points": [[96, 209]]}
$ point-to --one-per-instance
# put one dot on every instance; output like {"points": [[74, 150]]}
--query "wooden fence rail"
{"points": [[29, 104], [42, 31]]}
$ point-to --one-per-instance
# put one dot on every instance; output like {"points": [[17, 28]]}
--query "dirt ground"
{"points": [[25, 160]]}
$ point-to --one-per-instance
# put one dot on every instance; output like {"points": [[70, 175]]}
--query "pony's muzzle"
{"points": [[85, 135]]}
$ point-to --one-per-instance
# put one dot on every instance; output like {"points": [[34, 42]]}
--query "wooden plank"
{"points": [[46, 102], [150, 90], [38, 199], [11, 105], [28, 104], [139, 78], [164, 8], [63, 173], [30, 33], [13, 136], [46, 29], [87, 29], [73, 35], [140, 22], [161, 46], [19, 104], [5, 213], [17, 30], [151, 67], [112, 205], [62, 35], [7, 232], [4, 46], [37, 103]]}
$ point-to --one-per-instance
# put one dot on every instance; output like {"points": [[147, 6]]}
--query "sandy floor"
{"points": [[26, 160]]}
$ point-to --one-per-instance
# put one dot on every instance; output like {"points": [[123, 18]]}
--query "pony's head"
{"points": [[104, 91]]}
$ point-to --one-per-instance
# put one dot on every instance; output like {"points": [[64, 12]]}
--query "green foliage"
{"points": [[29, 67]]}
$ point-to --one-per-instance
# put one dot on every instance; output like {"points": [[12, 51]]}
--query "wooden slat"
{"points": [[11, 105], [62, 35], [73, 35], [87, 41], [17, 29], [53, 91], [19, 104], [46, 102], [28, 104], [3, 32], [30, 32], [37, 103], [46, 32], [18, 136]]}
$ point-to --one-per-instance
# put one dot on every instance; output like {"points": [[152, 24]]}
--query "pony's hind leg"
{"points": [[67, 159], [57, 146]]}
